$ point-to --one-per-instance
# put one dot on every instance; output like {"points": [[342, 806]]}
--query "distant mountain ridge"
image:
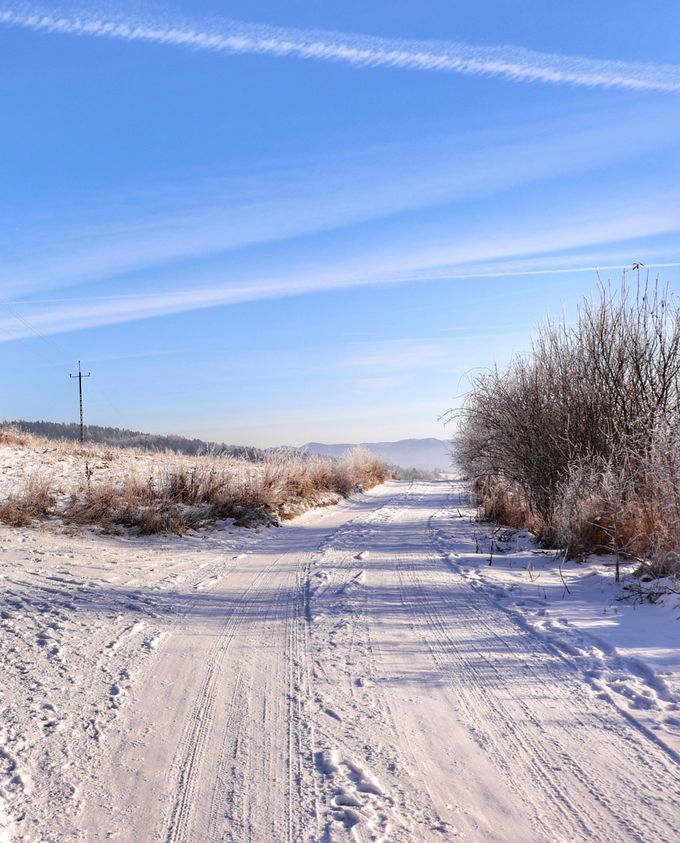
{"points": [[424, 454]]}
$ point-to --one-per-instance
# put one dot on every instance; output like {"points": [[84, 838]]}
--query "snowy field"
{"points": [[366, 672]]}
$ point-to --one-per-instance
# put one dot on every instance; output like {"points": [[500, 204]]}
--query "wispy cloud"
{"points": [[231, 37], [100, 238], [460, 259]]}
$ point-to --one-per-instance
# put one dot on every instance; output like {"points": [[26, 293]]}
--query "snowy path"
{"points": [[336, 679]]}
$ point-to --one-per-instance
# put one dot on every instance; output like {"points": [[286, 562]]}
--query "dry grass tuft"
{"points": [[503, 503], [12, 436], [130, 505], [364, 468], [34, 501]]}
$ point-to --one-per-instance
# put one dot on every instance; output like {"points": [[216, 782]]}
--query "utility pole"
{"points": [[80, 377]]}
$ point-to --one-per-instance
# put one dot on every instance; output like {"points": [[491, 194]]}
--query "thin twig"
{"points": [[564, 582]]}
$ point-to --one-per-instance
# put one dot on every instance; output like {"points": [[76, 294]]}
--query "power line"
{"points": [[61, 350], [48, 342]]}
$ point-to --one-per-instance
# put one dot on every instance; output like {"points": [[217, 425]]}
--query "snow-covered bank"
{"points": [[627, 648], [149, 493]]}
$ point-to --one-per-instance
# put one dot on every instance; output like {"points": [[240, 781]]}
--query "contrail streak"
{"points": [[218, 297], [232, 37], [83, 312]]}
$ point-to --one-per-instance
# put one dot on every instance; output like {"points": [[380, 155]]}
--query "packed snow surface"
{"points": [[387, 669]]}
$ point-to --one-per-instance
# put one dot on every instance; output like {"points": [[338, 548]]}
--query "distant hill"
{"points": [[421, 454], [424, 454], [116, 437]]}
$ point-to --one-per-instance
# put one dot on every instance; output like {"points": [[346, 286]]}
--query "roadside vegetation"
{"points": [[115, 490], [579, 440]]}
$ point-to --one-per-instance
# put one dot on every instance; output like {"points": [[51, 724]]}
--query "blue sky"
{"points": [[269, 222]]}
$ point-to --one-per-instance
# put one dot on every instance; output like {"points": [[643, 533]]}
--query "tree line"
{"points": [[116, 437]]}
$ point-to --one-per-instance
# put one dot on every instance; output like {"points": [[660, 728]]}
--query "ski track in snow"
{"points": [[350, 676]]}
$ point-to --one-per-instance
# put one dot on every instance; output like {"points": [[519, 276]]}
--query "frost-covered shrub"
{"points": [[580, 437]]}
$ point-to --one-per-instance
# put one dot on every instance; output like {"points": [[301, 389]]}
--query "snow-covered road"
{"points": [[340, 678]]}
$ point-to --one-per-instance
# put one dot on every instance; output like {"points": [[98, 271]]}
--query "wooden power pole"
{"points": [[80, 377]]}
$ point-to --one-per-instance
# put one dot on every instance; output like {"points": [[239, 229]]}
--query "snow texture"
{"points": [[361, 674]]}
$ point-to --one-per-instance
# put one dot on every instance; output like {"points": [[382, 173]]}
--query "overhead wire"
{"points": [[65, 355]]}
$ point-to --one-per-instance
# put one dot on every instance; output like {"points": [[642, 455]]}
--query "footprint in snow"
{"points": [[334, 714]]}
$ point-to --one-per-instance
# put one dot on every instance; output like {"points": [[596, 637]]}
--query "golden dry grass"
{"points": [[10, 435], [35, 500], [170, 493]]}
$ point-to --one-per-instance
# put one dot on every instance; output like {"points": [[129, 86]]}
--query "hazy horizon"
{"points": [[218, 440]]}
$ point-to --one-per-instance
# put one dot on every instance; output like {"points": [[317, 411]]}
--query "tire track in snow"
{"points": [[192, 744], [355, 740], [290, 609], [538, 744], [533, 718]]}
